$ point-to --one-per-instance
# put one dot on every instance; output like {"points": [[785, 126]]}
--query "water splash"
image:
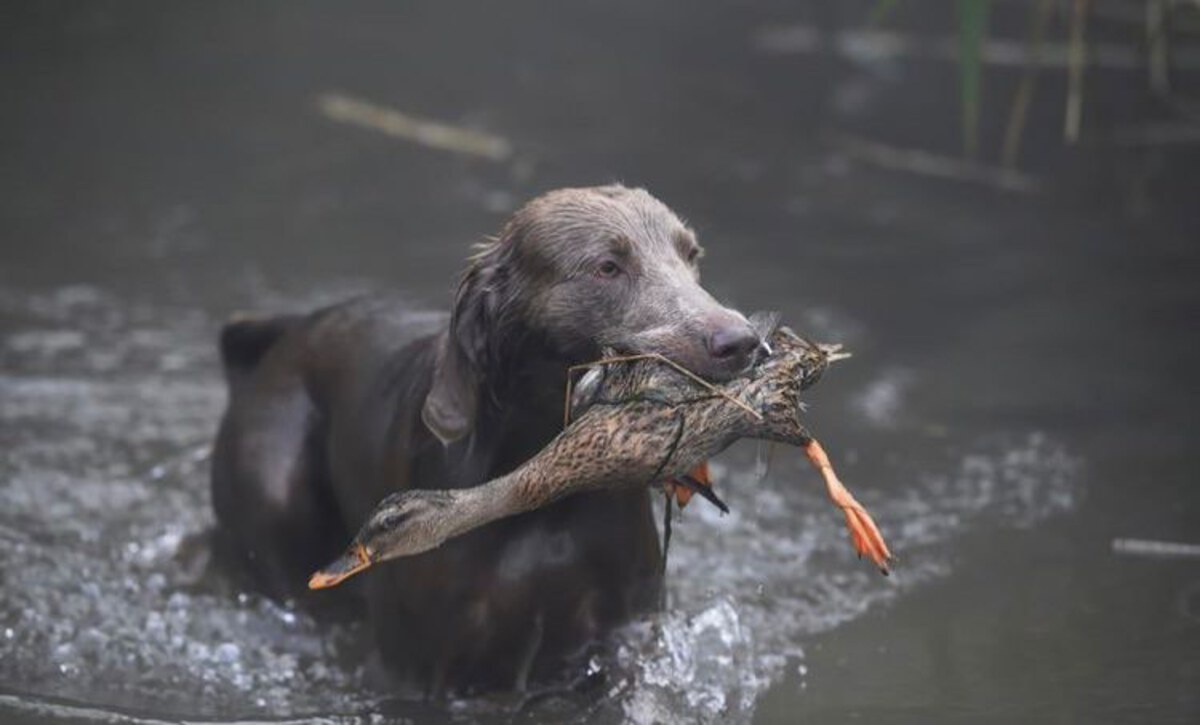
{"points": [[108, 411], [882, 400], [106, 428], [749, 588]]}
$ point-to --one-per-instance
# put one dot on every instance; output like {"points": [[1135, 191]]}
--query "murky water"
{"points": [[1021, 393], [108, 412]]}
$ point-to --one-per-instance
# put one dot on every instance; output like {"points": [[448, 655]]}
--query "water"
{"points": [[1021, 393], [108, 412]]}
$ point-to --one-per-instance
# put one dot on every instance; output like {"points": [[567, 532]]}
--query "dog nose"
{"points": [[734, 341]]}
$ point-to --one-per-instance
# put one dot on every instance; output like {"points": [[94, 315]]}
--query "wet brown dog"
{"points": [[331, 411]]}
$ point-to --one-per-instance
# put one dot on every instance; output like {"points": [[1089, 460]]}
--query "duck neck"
{"points": [[499, 498]]}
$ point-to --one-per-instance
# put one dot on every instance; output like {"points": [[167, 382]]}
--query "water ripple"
{"points": [[108, 409]]}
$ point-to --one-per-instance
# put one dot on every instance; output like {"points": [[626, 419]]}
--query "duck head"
{"points": [[403, 524]]}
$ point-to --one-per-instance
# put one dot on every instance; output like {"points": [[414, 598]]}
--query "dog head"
{"points": [[574, 271]]}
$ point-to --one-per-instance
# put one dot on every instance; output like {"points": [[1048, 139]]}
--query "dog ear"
{"points": [[464, 351], [449, 409]]}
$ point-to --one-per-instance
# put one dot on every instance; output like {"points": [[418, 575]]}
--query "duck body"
{"points": [[638, 420]]}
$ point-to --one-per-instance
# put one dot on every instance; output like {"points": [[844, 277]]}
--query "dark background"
{"points": [[166, 164]]}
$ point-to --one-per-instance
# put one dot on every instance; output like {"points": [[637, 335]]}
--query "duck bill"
{"points": [[356, 559]]}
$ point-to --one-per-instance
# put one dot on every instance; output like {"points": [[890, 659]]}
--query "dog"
{"points": [[330, 411]]}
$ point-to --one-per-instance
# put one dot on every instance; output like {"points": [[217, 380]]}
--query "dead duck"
{"points": [[635, 418]]}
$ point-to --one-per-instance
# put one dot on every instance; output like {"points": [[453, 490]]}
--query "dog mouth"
{"points": [[726, 371], [705, 366], [688, 345]]}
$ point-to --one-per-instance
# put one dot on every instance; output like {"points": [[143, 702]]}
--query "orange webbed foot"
{"points": [[683, 492], [864, 534], [694, 481]]}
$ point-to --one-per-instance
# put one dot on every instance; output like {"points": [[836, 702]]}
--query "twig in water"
{"points": [[929, 164], [433, 134], [972, 26], [1024, 95], [1157, 43], [1148, 547], [1155, 134], [1076, 62]]}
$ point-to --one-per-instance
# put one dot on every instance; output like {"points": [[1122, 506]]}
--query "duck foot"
{"points": [[694, 481], [863, 532]]}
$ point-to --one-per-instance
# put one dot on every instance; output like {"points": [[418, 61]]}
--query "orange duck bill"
{"points": [[864, 534], [356, 559]]}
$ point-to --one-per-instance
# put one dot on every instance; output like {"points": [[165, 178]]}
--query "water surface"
{"points": [[1021, 393]]}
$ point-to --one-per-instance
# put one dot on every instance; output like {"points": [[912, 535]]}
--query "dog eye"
{"points": [[608, 269]]}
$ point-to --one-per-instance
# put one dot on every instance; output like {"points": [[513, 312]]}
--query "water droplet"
{"points": [[9, 633], [228, 652], [762, 456]]}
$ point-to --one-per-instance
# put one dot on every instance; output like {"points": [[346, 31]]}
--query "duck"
{"points": [[630, 418]]}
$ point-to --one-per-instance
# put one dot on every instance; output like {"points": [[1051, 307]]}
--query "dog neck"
{"points": [[521, 416]]}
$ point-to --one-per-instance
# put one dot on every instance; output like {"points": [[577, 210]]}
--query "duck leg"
{"points": [[863, 531]]}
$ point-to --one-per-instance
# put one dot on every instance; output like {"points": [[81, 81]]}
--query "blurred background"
{"points": [[993, 204]]}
